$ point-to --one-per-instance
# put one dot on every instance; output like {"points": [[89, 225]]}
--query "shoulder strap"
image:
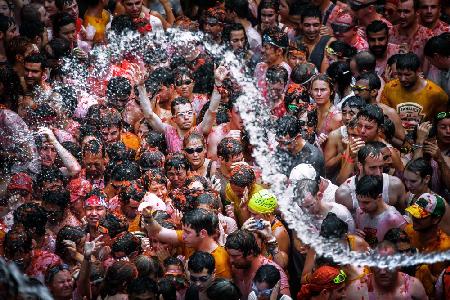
{"points": [[327, 13], [208, 169]]}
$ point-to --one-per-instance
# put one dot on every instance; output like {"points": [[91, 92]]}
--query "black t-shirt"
{"points": [[308, 155]]}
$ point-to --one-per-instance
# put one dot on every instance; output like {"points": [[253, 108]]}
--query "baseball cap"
{"points": [[21, 181], [263, 202], [427, 205], [303, 171]]}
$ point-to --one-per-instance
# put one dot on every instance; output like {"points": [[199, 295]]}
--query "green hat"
{"points": [[263, 202], [427, 205]]}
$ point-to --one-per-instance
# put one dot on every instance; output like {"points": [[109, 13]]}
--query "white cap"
{"points": [[152, 201], [303, 171]]}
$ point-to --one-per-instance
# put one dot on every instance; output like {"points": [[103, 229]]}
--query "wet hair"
{"points": [[11, 86], [197, 178], [226, 32], [120, 274], [223, 289], [333, 228], [69, 99], [94, 147], [228, 148], [31, 216], [438, 45], [354, 102], [267, 4], [127, 170], [177, 161], [421, 166], [60, 197], [118, 86], [288, 125], [148, 266], [135, 191], [118, 152], [311, 12], [277, 37], [157, 175], [393, 59], [60, 3], [341, 74], [167, 289], [164, 76], [244, 241], [49, 175], [208, 199], [344, 49], [151, 160], [179, 101], [127, 243], [36, 58], [32, 29], [268, 274], [365, 61], [30, 12], [304, 187], [61, 19], [199, 219], [17, 239], [368, 150], [17, 46], [173, 261], [240, 7], [276, 74], [396, 235], [377, 26], [370, 186], [193, 135], [372, 112], [142, 285], [408, 61], [302, 74], [243, 176], [328, 80], [156, 139], [122, 24], [71, 233], [114, 225], [388, 128], [201, 260], [372, 78]]}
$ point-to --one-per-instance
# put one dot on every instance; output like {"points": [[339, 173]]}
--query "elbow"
{"points": [[75, 170]]}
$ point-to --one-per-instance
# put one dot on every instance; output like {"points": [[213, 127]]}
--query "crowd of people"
{"points": [[139, 181]]}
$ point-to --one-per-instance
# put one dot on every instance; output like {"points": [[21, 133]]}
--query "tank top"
{"points": [[351, 183], [316, 56]]}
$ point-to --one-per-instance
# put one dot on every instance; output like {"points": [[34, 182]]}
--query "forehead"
{"points": [[409, 5], [68, 27], [194, 142], [131, 2], [267, 11], [89, 156], [444, 122], [378, 34], [32, 66], [311, 20], [429, 2], [410, 174], [362, 82], [373, 159], [183, 107], [365, 121], [234, 252], [237, 34], [320, 84]]}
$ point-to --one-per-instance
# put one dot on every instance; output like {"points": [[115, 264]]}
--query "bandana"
{"points": [[95, 200], [263, 202], [78, 189], [321, 279], [21, 181]]}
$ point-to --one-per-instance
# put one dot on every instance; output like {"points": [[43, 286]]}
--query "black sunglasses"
{"points": [[341, 27], [192, 150], [358, 6], [181, 82]]}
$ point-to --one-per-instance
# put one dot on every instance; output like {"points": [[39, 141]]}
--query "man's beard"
{"points": [[378, 51]]}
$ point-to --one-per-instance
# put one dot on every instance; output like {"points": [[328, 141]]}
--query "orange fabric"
{"points": [[99, 24], [130, 140]]}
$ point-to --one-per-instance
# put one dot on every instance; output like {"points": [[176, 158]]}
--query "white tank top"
{"points": [[352, 186]]}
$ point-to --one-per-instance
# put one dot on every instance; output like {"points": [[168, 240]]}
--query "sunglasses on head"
{"points": [[442, 115], [358, 6], [340, 278], [342, 28], [193, 150], [359, 88], [183, 82]]}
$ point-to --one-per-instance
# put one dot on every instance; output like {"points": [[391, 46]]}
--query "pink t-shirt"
{"points": [[173, 140], [416, 43]]}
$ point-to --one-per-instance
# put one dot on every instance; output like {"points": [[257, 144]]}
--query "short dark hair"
{"points": [[341, 74], [333, 227], [201, 260], [36, 58], [438, 45], [288, 125], [226, 32], [223, 289], [268, 274], [240, 7], [311, 12], [60, 197], [243, 176], [127, 170], [365, 61], [244, 241], [126, 243], [199, 219], [122, 24], [377, 26], [5, 23], [155, 139], [177, 161], [71, 233], [94, 147], [135, 191], [354, 102], [276, 37], [142, 285], [393, 59], [49, 175], [118, 86], [17, 239], [229, 147], [178, 101], [31, 215], [30, 12], [372, 112], [367, 150], [415, 2], [372, 78], [369, 186], [60, 20], [408, 61], [60, 3], [421, 166], [163, 76], [277, 73], [167, 288], [343, 49], [303, 187]]}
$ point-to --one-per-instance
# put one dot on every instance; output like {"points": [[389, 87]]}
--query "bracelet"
{"points": [[416, 146]]}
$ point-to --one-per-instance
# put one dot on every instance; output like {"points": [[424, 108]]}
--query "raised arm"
{"points": [[147, 107], [69, 161], [153, 228], [208, 120]]}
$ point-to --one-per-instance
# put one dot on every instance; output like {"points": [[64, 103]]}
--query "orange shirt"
{"points": [[223, 267]]}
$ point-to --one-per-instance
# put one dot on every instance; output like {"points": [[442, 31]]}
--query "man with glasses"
{"points": [[202, 268], [265, 284], [409, 34], [366, 12], [345, 30], [292, 149]]}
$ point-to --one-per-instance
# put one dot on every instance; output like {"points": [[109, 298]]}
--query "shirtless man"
{"points": [[311, 20], [367, 87], [338, 139], [385, 283], [370, 162]]}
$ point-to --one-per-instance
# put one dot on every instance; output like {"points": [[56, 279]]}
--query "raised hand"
{"points": [[92, 246]]}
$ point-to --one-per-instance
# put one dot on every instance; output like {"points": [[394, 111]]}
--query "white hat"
{"points": [[152, 201], [303, 171]]}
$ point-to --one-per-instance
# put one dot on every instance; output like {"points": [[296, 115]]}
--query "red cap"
{"points": [[21, 181]]}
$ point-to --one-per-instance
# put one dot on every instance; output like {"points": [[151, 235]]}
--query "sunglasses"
{"points": [[183, 82], [358, 6], [51, 272], [340, 278], [261, 293], [193, 150], [442, 115], [199, 278], [341, 28], [184, 114], [359, 88]]}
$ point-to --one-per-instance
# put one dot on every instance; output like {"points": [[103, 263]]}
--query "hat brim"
{"points": [[417, 211]]}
